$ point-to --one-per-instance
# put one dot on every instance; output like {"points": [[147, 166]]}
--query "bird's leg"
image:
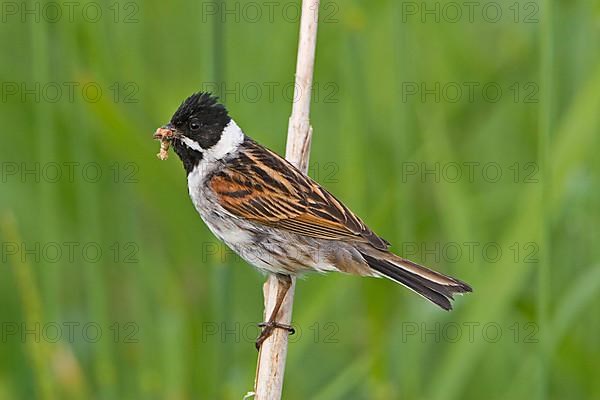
{"points": [[271, 324]]}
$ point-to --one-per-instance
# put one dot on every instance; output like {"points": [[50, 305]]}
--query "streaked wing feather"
{"points": [[262, 187]]}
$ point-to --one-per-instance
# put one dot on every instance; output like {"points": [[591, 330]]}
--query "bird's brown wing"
{"points": [[260, 186]]}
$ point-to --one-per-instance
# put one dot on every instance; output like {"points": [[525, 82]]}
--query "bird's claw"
{"points": [[268, 328]]}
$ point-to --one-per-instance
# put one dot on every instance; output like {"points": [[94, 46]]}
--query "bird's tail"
{"points": [[435, 287]]}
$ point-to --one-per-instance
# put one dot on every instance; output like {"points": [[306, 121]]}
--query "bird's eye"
{"points": [[194, 125]]}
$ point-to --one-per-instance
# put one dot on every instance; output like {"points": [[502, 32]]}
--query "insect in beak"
{"points": [[165, 134]]}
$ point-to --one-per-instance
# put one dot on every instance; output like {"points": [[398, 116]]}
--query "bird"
{"points": [[277, 218]]}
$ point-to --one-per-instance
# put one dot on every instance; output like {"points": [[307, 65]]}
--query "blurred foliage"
{"points": [[176, 310]]}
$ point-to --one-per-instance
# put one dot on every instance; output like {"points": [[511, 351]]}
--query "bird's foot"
{"points": [[267, 330]]}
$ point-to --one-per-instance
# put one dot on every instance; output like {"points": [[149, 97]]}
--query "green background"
{"points": [[176, 310]]}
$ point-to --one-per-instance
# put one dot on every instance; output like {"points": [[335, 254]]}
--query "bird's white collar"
{"points": [[231, 138]]}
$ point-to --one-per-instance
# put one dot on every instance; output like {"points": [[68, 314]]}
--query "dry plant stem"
{"points": [[273, 352], [284, 284]]}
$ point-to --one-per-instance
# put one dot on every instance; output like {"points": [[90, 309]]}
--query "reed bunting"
{"points": [[274, 216]]}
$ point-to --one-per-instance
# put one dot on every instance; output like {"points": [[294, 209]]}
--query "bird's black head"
{"points": [[201, 118], [197, 125]]}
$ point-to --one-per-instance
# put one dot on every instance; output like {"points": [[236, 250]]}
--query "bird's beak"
{"points": [[166, 132]]}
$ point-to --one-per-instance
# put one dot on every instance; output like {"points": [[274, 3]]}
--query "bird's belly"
{"points": [[266, 248], [261, 249]]}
